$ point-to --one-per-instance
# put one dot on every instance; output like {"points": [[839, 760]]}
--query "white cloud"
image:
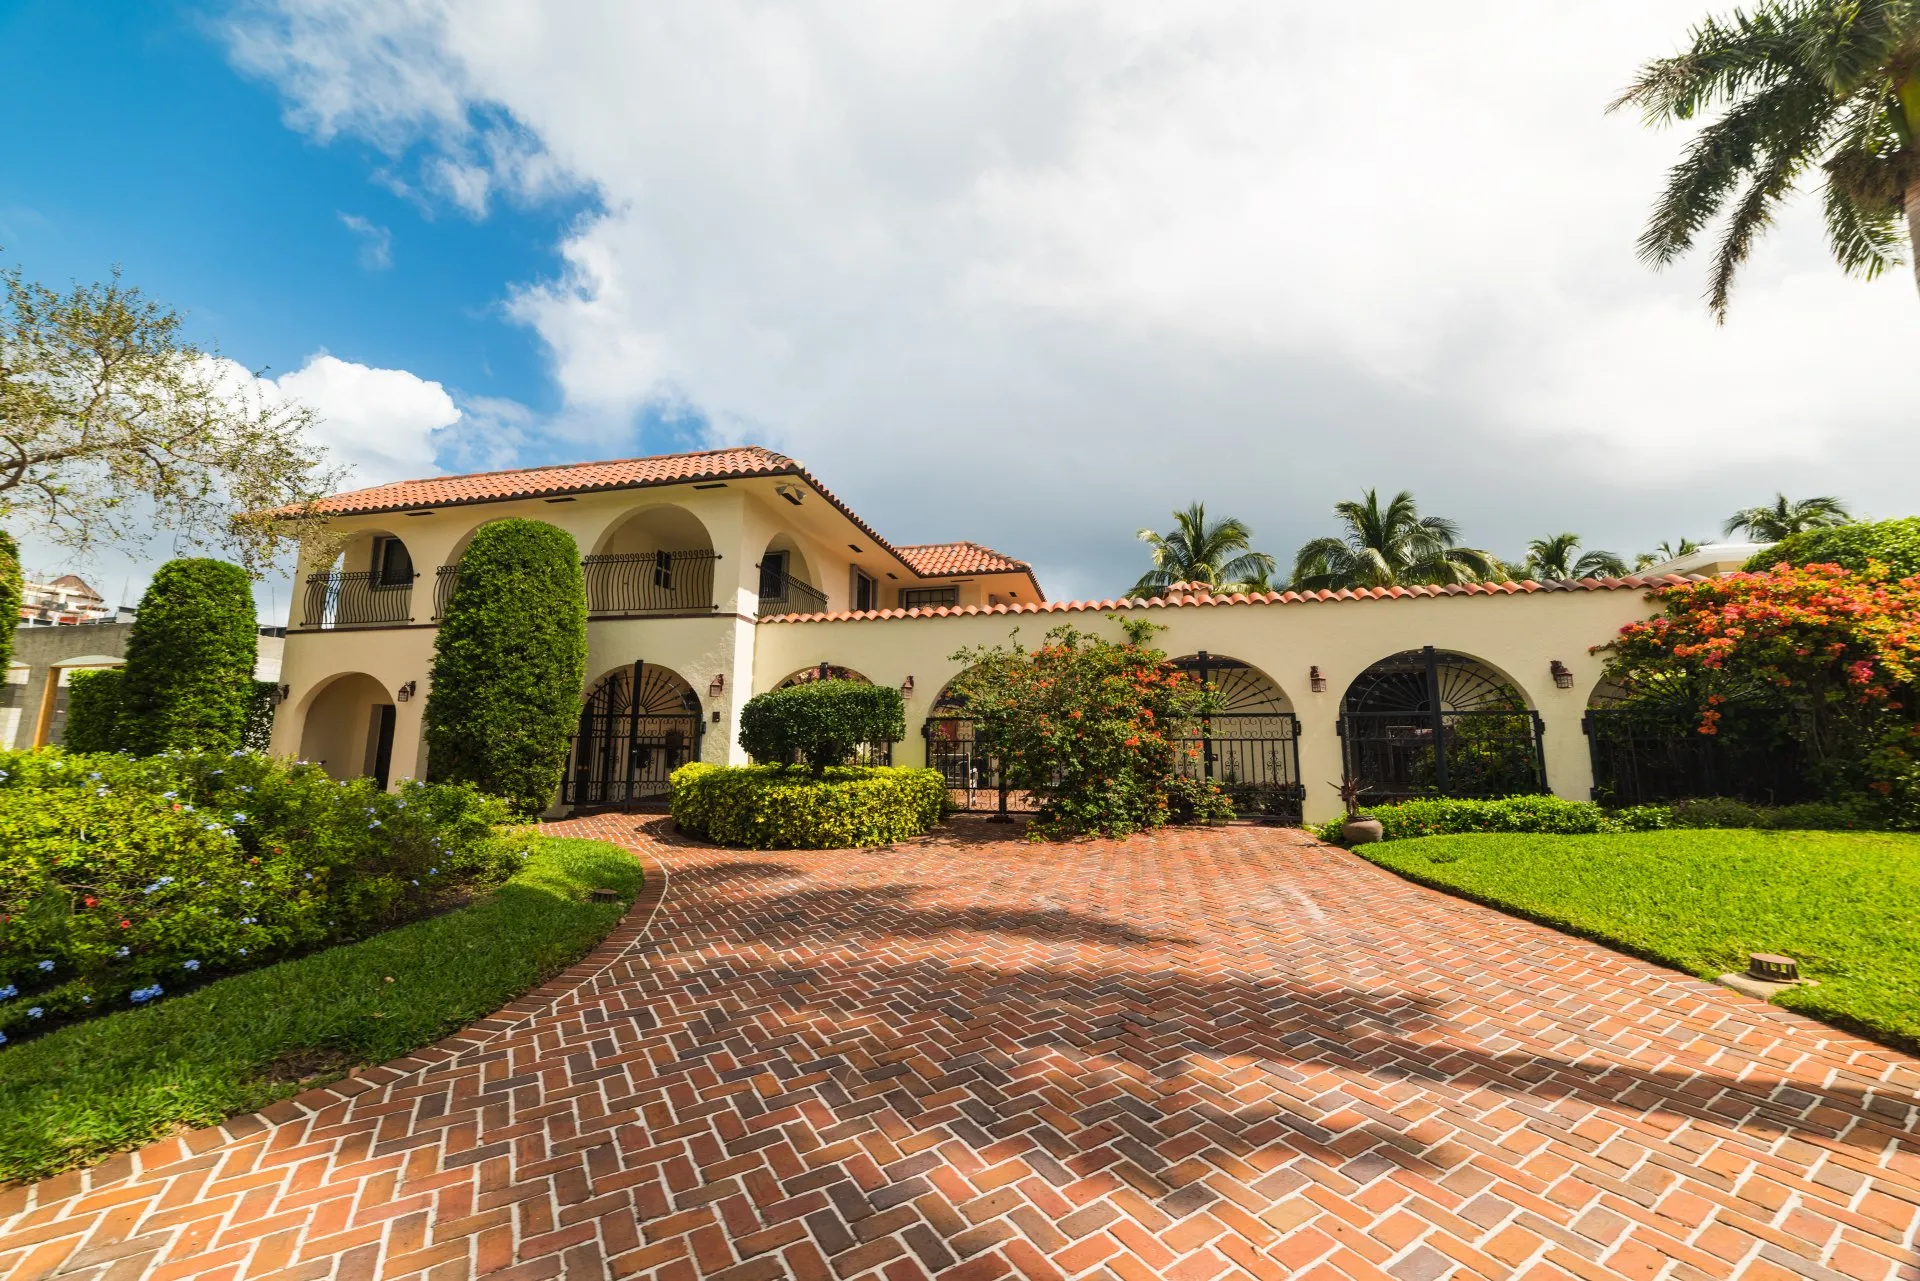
{"points": [[376, 242], [384, 424], [1035, 272]]}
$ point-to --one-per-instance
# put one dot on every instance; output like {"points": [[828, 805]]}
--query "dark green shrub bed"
{"points": [[114, 1083], [1551, 815], [771, 807], [125, 880]]}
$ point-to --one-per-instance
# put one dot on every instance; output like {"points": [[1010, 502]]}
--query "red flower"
{"points": [[126, 925], [90, 901]]}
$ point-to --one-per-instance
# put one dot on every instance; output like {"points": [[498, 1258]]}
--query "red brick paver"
{"points": [[1213, 1054]]}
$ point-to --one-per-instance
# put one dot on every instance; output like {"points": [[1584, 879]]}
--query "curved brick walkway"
{"points": [[1199, 1054]]}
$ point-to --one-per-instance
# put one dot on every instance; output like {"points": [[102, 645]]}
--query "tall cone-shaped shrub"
{"points": [[11, 590], [190, 658], [509, 663]]}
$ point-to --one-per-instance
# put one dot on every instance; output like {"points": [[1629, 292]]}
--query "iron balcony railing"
{"points": [[632, 583], [357, 600], [785, 594]]}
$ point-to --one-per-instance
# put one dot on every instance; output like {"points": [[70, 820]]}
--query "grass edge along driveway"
{"points": [[111, 1084], [1846, 905]]}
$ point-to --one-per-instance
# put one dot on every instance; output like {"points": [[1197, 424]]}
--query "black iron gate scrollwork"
{"points": [[1249, 746], [1425, 722], [637, 726]]}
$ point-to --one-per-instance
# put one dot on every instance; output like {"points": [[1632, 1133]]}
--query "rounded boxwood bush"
{"points": [[12, 589], [93, 710], [820, 723], [765, 807], [190, 657], [1894, 543], [509, 663]]}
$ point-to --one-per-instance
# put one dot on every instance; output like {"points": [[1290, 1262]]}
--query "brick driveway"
{"points": [[1199, 1054]]}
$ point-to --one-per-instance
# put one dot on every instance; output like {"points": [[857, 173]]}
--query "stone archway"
{"points": [[347, 728], [1431, 722], [1250, 746], [638, 724]]}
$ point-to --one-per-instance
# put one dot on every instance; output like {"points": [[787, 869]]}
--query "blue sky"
{"points": [[1029, 272]]}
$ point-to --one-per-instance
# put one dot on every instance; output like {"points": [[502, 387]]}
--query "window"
{"points": [[928, 597], [392, 567], [773, 576], [865, 594], [663, 570]]}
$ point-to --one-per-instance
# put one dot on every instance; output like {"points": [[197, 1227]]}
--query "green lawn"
{"points": [[1846, 905], [114, 1083]]}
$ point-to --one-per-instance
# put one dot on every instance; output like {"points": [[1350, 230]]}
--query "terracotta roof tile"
{"points": [[939, 560], [1202, 598]]}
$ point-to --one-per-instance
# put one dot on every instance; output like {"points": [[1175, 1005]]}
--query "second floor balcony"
{"points": [[630, 584]]}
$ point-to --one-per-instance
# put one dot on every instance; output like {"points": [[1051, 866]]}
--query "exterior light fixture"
{"points": [[1316, 681], [906, 688], [1771, 967], [789, 492], [1562, 674], [283, 693], [405, 692], [718, 683]]}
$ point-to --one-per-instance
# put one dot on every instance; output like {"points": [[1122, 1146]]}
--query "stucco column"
{"points": [[408, 756], [1569, 761], [1320, 757]]}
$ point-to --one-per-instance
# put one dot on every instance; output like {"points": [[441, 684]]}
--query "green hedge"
{"points": [[12, 589], [1550, 815], [820, 723], [93, 710], [509, 662], [72, 1097], [1894, 543], [120, 875], [258, 734], [190, 659], [767, 807]]}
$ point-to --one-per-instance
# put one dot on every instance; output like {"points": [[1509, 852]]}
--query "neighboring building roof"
{"points": [[1713, 558], [1199, 596], [944, 560]]}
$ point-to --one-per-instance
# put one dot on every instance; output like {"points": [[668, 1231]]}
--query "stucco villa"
{"points": [[714, 575]]}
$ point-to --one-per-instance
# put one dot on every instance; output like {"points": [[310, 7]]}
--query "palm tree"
{"points": [[1202, 551], [1389, 546], [1553, 558], [1772, 523], [1665, 552], [1801, 83]]}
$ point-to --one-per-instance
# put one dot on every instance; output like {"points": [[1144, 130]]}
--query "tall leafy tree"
{"points": [[1554, 557], [1215, 552], [1782, 519], [1800, 85], [112, 423], [1389, 545]]}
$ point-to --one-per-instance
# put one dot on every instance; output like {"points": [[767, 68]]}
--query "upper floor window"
{"points": [[392, 566], [773, 576], [865, 594], [663, 570], [928, 597]]}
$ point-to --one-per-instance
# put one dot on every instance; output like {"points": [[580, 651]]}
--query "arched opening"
{"points": [[822, 672], [348, 728], [657, 560], [1428, 722], [973, 777], [1250, 745], [369, 584], [787, 581], [637, 725]]}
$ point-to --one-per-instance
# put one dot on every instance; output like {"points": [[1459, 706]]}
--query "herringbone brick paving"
{"points": [[1199, 1054]]}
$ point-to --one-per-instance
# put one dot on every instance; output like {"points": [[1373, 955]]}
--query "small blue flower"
{"points": [[35, 1012], [248, 884], [243, 951], [99, 791], [3, 1038], [95, 774], [141, 995], [8, 991], [189, 966], [167, 796], [46, 965], [246, 920], [416, 882], [121, 952], [375, 823], [86, 1000]]}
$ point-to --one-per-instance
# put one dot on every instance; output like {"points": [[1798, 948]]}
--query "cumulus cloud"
{"points": [[1036, 271]]}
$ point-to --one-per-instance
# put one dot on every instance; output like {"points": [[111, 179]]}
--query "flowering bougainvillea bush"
{"points": [[1825, 655], [1094, 729], [124, 880]]}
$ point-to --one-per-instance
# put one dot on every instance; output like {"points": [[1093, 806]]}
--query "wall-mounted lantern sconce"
{"points": [[717, 684], [405, 692], [789, 492], [1316, 681], [283, 693], [906, 688], [1562, 674]]}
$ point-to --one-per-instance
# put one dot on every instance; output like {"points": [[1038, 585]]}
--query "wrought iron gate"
{"points": [[1251, 746], [637, 727], [1429, 723], [973, 777]]}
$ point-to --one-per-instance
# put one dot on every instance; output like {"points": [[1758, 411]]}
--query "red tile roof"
{"points": [[943, 560], [1201, 597]]}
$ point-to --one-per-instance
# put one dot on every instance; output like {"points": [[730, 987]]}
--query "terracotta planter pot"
{"points": [[1362, 829]]}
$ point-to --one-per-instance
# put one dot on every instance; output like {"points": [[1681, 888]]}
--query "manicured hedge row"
{"points": [[767, 807], [1550, 815], [234, 1046], [124, 880]]}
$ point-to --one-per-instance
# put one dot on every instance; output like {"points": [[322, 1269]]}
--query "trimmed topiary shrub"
{"points": [[509, 663], [769, 807], [1448, 816], [190, 658], [821, 723], [258, 735], [12, 588], [1894, 543], [93, 710]]}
